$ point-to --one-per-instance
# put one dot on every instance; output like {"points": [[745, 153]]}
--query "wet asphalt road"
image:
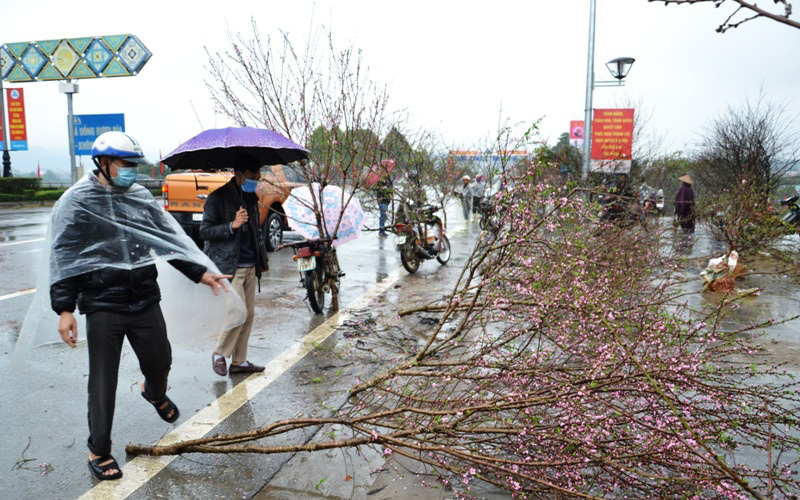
{"points": [[43, 405]]}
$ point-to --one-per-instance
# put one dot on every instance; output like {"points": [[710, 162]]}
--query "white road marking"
{"points": [[143, 468], [17, 294], [20, 242]]}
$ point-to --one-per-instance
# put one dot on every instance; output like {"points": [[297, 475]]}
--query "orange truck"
{"points": [[184, 194]]}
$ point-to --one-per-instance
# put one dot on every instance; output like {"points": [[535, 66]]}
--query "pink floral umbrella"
{"points": [[299, 210], [378, 171]]}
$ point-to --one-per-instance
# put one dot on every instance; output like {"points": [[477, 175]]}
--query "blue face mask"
{"points": [[126, 176], [249, 186]]}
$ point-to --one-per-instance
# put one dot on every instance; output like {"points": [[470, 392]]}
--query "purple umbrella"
{"points": [[219, 148]]}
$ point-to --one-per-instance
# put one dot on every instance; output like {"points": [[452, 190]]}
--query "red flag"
{"points": [[38, 171], [160, 164]]}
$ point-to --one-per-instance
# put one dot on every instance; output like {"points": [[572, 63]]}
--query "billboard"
{"points": [[73, 58], [612, 139], [88, 127]]}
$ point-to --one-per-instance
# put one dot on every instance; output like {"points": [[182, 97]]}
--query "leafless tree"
{"points": [[648, 143], [741, 217], [745, 11], [754, 141], [317, 95]]}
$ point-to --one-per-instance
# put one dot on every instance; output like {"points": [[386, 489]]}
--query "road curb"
{"points": [[26, 204]]}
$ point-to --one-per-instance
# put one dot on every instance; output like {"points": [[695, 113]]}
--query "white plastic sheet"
{"points": [[94, 226]]}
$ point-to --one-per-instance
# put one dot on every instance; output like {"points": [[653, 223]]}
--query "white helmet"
{"points": [[118, 145]]}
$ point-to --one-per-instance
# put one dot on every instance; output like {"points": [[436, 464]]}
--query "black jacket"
{"points": [[118, 290], [384, 191], [221, 241]]}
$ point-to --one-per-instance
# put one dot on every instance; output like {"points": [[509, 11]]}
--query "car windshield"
{"points": [[294, 173]]}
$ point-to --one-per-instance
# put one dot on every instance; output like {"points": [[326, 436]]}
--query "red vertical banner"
{"points": [[612, 134], [17, 131]]}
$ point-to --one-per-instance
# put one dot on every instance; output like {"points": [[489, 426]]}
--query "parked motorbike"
{"points": [[793, 215], [420, 236], [618, 210], [318, 266], [486, 210], [651, 200]]}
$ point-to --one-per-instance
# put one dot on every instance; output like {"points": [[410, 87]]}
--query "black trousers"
{"points": [[476, 204], [105, 332]]}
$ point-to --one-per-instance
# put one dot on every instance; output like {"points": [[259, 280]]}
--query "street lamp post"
{"points": [[70, 88], [4, 137], [619, 69]]}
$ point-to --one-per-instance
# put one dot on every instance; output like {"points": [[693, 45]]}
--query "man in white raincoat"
{"points": [[106, 233]]}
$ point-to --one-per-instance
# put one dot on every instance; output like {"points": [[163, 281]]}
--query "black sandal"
{"points": [[98, 470], [163, 411]]}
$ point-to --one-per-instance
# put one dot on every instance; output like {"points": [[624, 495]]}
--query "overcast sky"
{"points": [[453, 65]]}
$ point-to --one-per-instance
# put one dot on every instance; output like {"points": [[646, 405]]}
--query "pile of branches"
{"points": [[569, 363]]}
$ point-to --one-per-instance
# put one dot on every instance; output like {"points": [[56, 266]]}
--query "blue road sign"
{"points": [[88, 127]]}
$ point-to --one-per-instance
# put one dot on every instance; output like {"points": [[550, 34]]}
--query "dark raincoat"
{"points": [[684, 207]]}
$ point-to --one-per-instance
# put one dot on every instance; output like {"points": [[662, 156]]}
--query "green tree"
{"points": [[566, 156]]}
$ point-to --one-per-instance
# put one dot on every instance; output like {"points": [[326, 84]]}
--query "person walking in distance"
{"points": [[684, 205], [384, 192], [234, 243], [465, 193], [478, 190], [106, 233]]}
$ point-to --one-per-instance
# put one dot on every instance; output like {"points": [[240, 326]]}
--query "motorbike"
{"points": [[420, 236], [651, 200], [318, 266], [618, 210], [793, 215], [487, 210]]}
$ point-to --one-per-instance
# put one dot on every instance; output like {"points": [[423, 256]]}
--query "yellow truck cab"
{"points": [[184, 194]]}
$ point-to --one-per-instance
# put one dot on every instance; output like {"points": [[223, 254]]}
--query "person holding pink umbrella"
{"points": [[384, 191]]}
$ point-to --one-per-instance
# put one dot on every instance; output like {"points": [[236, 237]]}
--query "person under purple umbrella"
{"points": [[232, 242], [684, 205]]}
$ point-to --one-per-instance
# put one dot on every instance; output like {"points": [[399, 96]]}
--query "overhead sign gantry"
{"points": [[65, 60]]}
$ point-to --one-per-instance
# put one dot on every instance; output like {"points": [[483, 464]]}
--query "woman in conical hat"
{"points": [[684, 205]]}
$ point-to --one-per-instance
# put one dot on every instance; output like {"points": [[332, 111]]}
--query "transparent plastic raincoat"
{"points": [[95, 226]]}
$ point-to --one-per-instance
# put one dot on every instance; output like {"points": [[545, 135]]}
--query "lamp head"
{"points": [[620, 66]]}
